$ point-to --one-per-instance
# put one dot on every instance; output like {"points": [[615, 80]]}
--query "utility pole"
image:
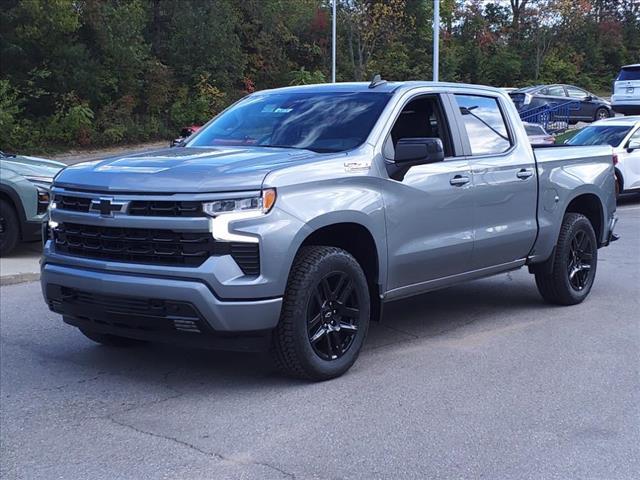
{"points": [[333, 42], [436, 39]]}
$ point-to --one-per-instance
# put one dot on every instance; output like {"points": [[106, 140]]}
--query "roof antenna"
{"points": [[377, 80]]}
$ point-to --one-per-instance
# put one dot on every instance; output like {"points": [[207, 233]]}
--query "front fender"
{"points": [[327, 203]]}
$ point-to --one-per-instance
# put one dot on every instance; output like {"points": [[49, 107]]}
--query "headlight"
{"points": [[44, 198], [260, 203], [39, 179], [224, 212]]}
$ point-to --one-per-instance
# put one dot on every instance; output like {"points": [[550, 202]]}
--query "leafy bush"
{"points": [[10, 126]]}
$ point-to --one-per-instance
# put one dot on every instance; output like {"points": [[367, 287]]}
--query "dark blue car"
{"points": [[586, 106]]}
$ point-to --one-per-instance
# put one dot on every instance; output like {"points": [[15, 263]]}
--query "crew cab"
{"points": [[289, 219]]}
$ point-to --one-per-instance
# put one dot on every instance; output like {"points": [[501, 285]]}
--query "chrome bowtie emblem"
{"points": [[106, 206]]}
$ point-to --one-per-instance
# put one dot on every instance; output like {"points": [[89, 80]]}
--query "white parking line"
{"points": [[628, 208]]}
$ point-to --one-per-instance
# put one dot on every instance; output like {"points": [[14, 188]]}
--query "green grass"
{"points": [[566, 135]]}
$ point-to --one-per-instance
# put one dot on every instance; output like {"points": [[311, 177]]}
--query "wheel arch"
{"points": [[589, 205], [359, 240]]}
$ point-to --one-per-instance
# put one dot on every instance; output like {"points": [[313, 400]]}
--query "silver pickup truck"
{"points": [[293, 216]]}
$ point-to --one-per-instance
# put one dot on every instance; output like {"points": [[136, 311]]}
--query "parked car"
{"points": [[623, 134], [538, 135], [626, 90], [289, 220], [588, 108], [185, 133], [24, 198]]}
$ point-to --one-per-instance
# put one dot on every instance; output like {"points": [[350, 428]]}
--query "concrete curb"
{"points": [[18, 278]]}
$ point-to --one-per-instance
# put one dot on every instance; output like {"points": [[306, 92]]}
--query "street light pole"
{"points": [[436, 39], [333, 42]]}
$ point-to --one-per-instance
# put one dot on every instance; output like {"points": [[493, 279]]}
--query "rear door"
{"points": [[504, 182], [554, 95]]}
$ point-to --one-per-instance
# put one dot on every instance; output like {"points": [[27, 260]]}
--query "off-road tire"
{"points": [[10, 228], [553, 281], [111, 340], [292, 349]]}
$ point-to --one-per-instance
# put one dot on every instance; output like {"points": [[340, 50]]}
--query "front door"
{"points": [[586, 109], [429, 212]]}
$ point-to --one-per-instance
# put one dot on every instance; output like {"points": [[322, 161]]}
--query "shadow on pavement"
{"points": [[414, 320]]}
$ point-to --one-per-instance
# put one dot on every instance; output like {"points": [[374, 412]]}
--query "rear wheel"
{"points": [[9, 228], [569, 280], [325, 315], [111, 340]]}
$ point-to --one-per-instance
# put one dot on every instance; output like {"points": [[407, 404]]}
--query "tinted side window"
{"points": [[556, 91], [576, 92], [484, 124], [534, 130]]}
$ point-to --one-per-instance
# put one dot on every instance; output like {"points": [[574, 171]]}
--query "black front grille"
{"points": [[160, 247], [75, 204], [134, 313], [151, 246], [141, 208], [163, 208]]}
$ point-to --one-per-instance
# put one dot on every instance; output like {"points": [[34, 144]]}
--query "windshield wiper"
{"points": [[280, 146]]}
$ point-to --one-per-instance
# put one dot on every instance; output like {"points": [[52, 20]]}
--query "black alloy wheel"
{"points": [[332, 316], [580, 259]]}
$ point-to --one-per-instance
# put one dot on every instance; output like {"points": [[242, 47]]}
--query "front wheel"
{"points": [[9, 228], [325, 315], [601, 114], [569, 280]]}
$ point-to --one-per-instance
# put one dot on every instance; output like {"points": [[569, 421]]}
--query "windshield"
{"points": [[322, 122], [600, 135]]}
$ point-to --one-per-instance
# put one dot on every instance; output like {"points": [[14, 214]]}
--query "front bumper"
{"points": [[131, 291]]}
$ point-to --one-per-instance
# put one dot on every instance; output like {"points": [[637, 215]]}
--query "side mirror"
{"points": [[418, 151], [410, 152], [633, 145], [588, 98]]}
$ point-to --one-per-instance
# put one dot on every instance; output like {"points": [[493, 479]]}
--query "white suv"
{"points": [[626, 90]]}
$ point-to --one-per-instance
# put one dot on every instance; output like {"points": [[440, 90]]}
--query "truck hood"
{"points": [[31, 166], [183, 170]]}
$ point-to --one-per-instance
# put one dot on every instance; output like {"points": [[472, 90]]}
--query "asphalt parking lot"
{"points": [[482, 380]]}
